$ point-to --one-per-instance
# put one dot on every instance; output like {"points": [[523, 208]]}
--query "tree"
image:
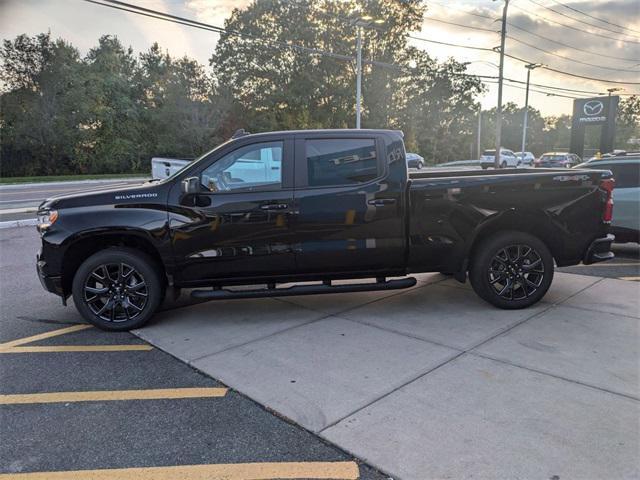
{"points": [[43, 107], [283, 88], [180, 109]]}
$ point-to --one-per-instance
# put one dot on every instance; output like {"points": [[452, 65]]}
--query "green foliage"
{"points": [[280, 88], [111, 111]]}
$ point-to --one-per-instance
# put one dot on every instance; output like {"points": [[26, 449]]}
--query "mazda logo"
{"points": [[594, 107]]}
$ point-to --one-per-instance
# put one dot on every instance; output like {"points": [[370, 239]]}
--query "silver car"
{"points": [[626, 194]]}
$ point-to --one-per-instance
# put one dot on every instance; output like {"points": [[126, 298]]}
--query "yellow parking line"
{"points": [[633, 279], [42, 336], [108, 395], [77, 348], [229, 471]]}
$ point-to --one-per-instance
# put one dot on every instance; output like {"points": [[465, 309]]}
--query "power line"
{"points": [[461, 25], [484, 49], [488, 17], [195, 24], [572, 46], [548, 52], [546, 66], [594, 17], [551, 69], [212, 28], [579, 21], [528, 12], [550, 94]]}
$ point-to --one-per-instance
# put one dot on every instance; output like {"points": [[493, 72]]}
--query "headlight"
{"points": [[46, 218]]}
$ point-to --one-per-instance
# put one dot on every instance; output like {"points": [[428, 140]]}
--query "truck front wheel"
{"points": [[117, 289], [511, 270]]}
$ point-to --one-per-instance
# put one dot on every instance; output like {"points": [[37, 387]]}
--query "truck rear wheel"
{"points": [[511, 270], [117, 289]]}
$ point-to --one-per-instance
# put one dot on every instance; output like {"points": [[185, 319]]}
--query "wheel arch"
{"points": [[533, 223], [83, 246]]}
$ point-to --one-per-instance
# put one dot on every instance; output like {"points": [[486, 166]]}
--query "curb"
{"points": [[28, 222], [11, 186]]}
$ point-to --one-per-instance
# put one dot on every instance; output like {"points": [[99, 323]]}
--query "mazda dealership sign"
{"points": [[597, 111], [592, 111]]}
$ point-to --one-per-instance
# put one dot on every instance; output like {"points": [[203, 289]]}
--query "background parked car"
{"points": [[507, 158], [415, 161], [558, 160], [626, 194], [165, 167], [527, 158]]}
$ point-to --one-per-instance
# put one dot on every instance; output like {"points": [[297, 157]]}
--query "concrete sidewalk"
{"points": [[431, 382]]}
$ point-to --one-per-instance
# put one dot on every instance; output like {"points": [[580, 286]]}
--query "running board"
{"points": [[326, 287]]}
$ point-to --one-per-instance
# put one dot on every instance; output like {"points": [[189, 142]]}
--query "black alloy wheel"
{"points": [[516, 272], [116, 292], [118, 288], [511, 269]]}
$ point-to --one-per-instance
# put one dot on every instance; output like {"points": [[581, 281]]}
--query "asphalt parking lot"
{"points": [[423, 383], [76, 402]]}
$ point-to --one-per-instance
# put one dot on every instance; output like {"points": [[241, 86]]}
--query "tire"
{"points": [[503, 165], [118, 289], [420, 166], [491, 275]]}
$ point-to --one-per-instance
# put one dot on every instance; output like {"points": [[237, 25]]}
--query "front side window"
{"points": [[253, 167], [344, 161]]}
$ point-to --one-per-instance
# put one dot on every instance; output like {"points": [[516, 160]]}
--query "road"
{"points": [[112, 401], [20, 202]]}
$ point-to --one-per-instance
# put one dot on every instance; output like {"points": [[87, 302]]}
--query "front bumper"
{"points": [[599, 250], [50, 283]]}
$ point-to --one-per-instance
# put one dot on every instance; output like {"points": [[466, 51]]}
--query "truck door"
{"points": [[239, 225], [349, 216]]}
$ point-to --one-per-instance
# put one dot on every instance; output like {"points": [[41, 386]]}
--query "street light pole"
{"points": [[358, 75], [503, 33], [529, 67]]}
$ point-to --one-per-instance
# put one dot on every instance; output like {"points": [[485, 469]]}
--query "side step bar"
{"points": [[326, 287]]}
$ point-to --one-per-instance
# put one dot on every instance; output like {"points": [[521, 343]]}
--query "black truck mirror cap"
{"points": [[191, 185]]}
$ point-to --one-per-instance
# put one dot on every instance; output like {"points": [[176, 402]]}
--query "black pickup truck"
{"points": [[317, 206]]}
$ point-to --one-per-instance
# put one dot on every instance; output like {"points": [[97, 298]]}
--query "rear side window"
{"points": [[341, 161], [626, 175]]}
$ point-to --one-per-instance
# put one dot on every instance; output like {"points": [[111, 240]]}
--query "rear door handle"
{"points": [[380, 202], [274, 206]]}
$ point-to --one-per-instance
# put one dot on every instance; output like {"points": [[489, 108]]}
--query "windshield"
{"points": [[554, 158], [193, 163], [489, 153]]}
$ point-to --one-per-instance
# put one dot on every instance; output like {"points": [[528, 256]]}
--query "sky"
{"points": [[592, 31]]}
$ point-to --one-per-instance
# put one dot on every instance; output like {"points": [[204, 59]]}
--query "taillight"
{"points": [[607, 186]]}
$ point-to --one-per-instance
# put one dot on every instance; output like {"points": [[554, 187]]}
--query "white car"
{"points": [[527, 158], [507, 158], [162, 168]]}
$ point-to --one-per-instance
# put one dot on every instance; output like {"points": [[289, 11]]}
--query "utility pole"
{"points": [[529, 67], [358, 75], [503, 33], [360, 22], [479, 130]]}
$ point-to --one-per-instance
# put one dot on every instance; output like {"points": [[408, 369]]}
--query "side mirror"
{"points": [[190, 185]]}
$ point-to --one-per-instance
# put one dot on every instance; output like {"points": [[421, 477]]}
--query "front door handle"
{"points": [[380, 202], [274, 206]]}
